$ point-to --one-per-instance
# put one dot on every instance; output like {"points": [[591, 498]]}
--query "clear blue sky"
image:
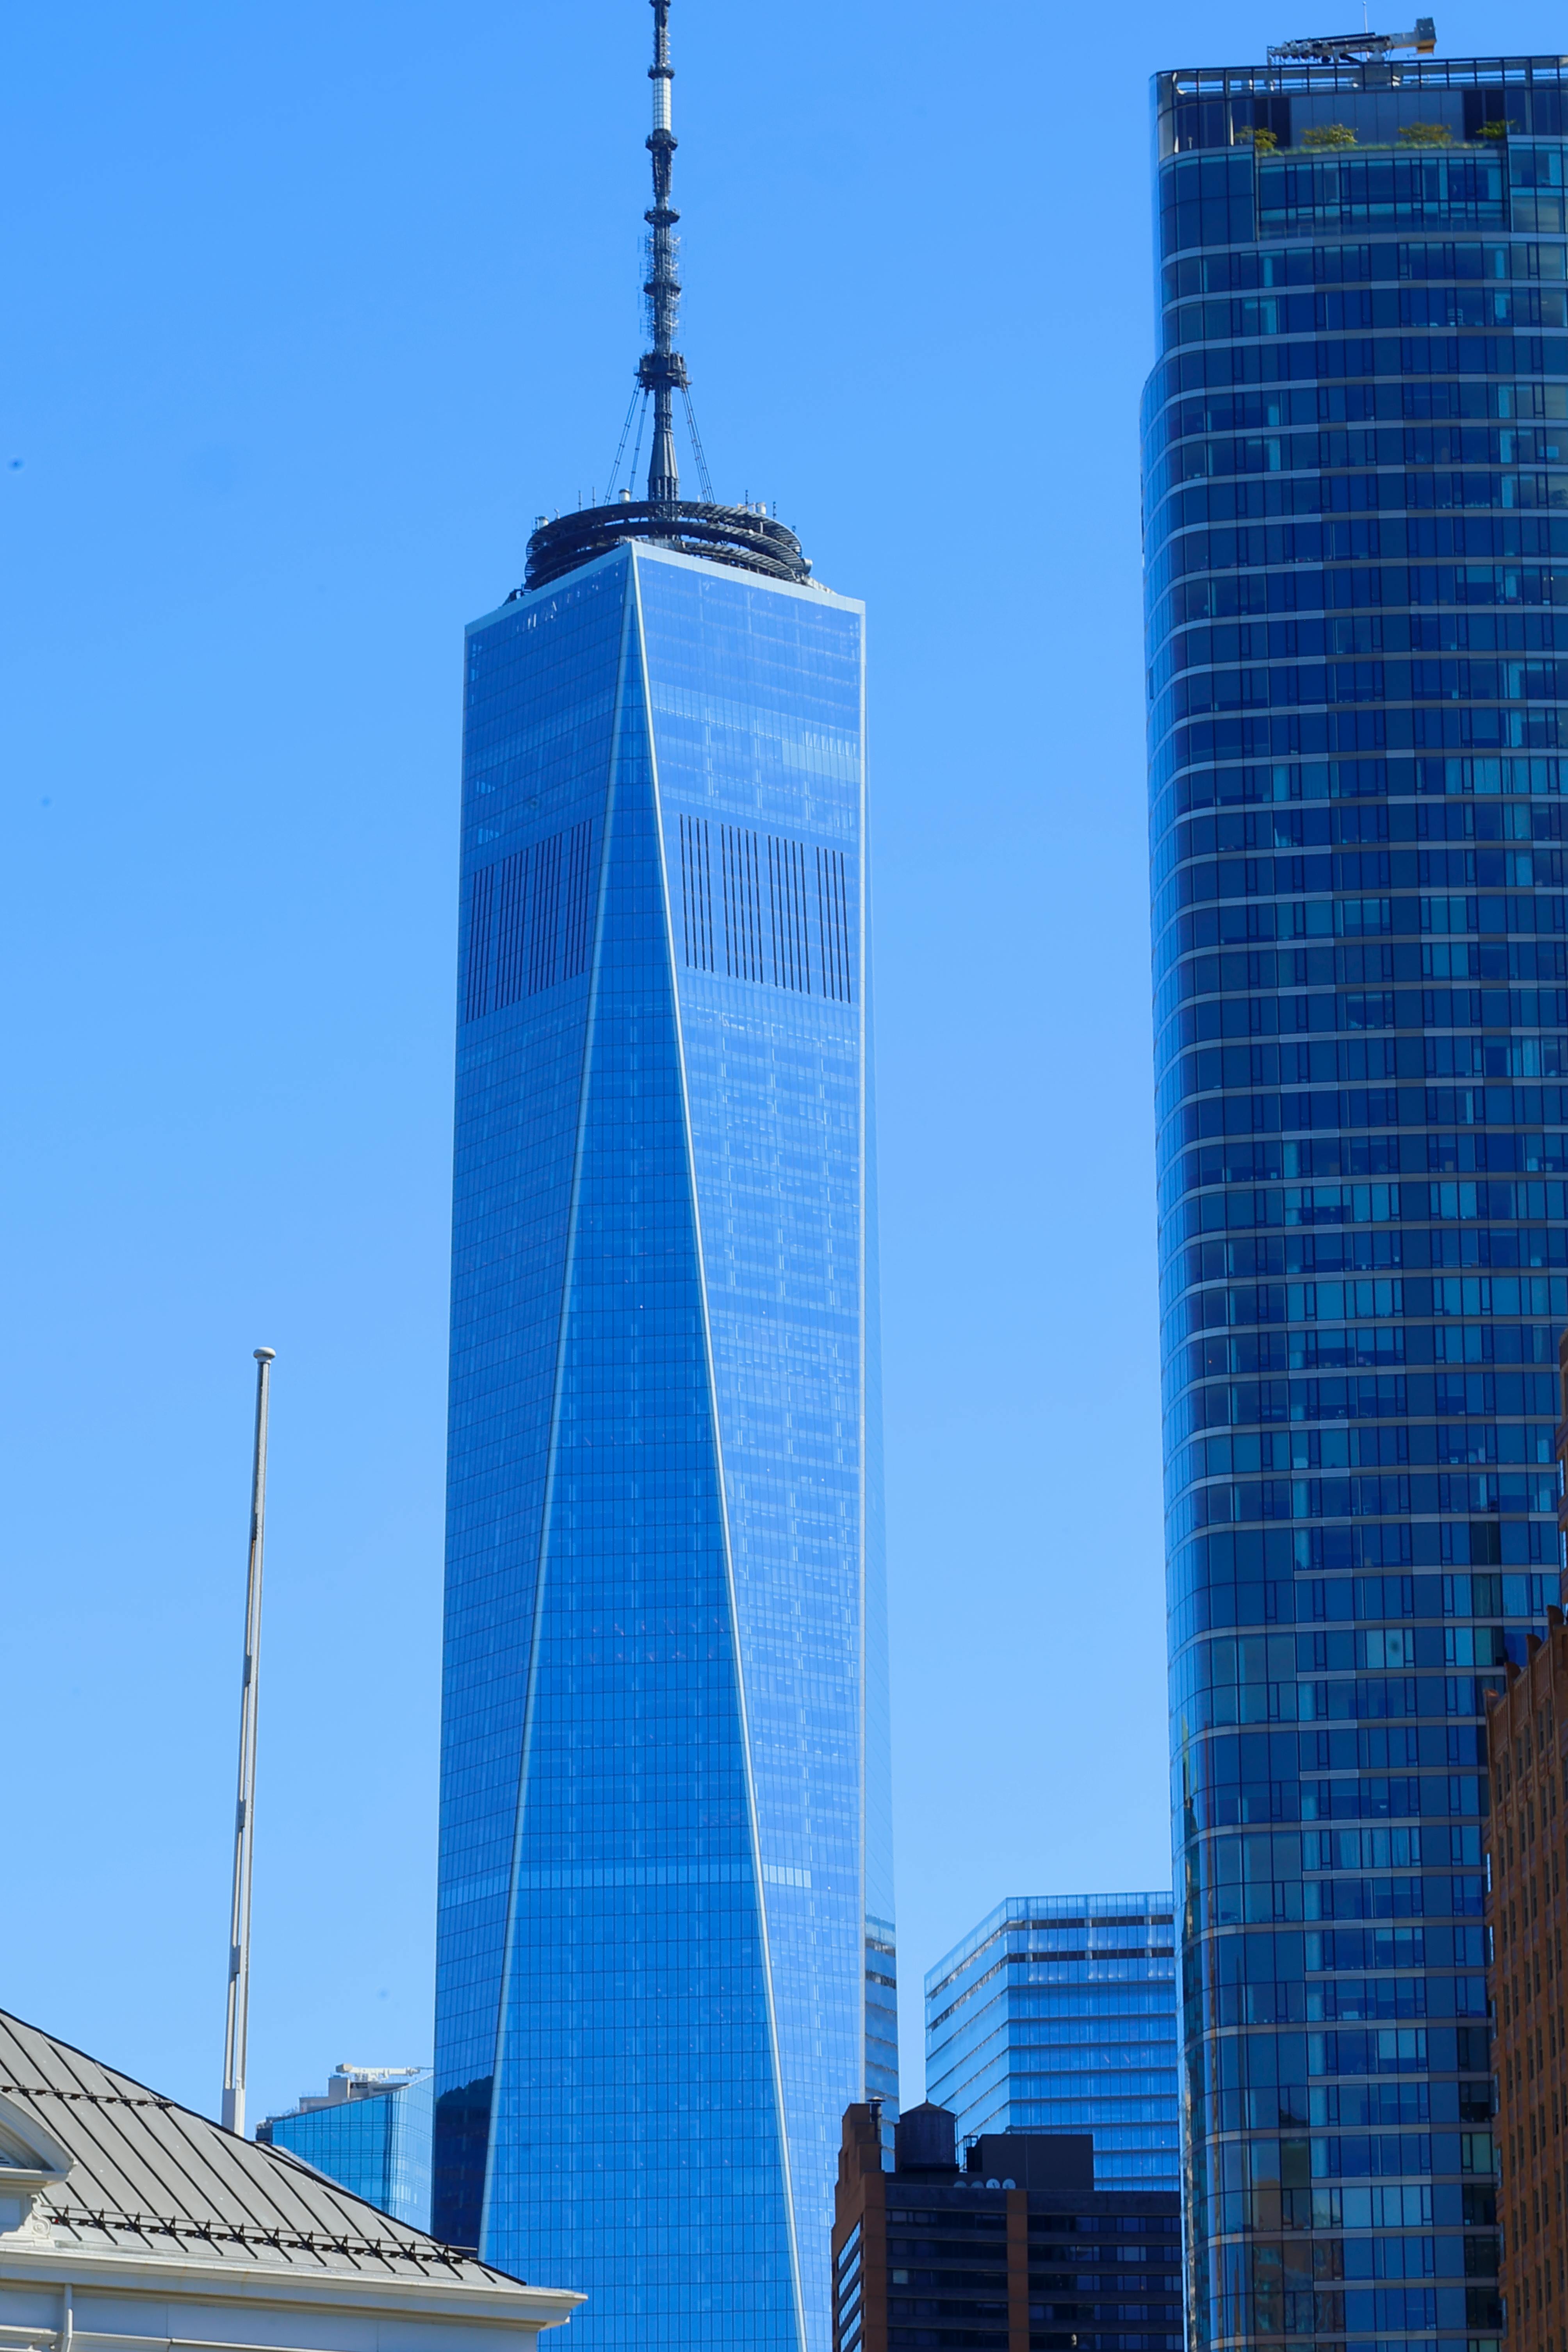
{"points": [[311, 309]]}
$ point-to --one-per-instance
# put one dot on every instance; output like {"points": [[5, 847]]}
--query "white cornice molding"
{"points": [[240, 2282]]}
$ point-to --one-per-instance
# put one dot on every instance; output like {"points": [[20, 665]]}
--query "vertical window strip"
{"points": [[799, 932], [832, 924], [705, 896], [511, 900], [688, 890], [754, 907], [766, 918], [481, 905], [697, 892], [744, 871], [544, 913], [577, 927], [530, 921], [786, 905], [742, 907], [727, 876], [776, 885]]}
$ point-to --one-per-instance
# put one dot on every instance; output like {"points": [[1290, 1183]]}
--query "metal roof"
{"points": [[149, 2177]]}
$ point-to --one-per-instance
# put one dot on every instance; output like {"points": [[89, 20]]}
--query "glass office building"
{"points": [[665, 1961], [1356, 479], [371, 2134], [1058, 2014]]}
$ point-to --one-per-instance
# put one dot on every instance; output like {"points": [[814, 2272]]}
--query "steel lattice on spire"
{"points": [[662, 370], [745, 537]]}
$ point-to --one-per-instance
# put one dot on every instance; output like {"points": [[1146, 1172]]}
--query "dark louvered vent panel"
{"points": [[697, 892], [741, 881], [530, 921], [758, 905], [786, 905], [832, 924]]}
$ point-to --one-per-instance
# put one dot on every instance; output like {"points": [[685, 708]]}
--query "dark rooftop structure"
{"points": [[1012, 2250], [745, 537]]}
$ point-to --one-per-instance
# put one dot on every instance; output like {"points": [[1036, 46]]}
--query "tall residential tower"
{"points": [[1356, 472], [665, 1961]]}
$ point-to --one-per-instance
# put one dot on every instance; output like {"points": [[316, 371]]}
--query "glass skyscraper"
{"points": [[1058, 2014], [664, 1960], [1356, 479], [371, 2132]]}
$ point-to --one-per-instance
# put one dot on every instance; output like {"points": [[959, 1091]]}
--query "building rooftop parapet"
{"points": [[348, 2082], [1056, 1914], [745, 537], [1296, 74]]}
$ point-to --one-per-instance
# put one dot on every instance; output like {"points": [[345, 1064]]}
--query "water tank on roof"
{"points": [[926, 2139]]}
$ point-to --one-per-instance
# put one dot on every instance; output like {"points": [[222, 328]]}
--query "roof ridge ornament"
{"points": [[1353, 48]]}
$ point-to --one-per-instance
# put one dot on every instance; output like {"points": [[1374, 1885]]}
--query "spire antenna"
{"points": [[745, 536], [662, 370]]}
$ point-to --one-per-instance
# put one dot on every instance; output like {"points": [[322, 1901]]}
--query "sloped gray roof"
{"points": [[150, 2176]]}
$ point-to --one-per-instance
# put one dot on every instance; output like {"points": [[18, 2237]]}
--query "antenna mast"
{"points": [[244, 1808], [662, 371], [745, 536]]}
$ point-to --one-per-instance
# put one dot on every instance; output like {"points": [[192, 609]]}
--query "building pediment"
{"points": [[32, 2162]]}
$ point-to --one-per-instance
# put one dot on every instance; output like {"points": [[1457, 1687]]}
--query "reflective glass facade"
{"points": [[1356, 512], [1058, 2014], [665, 1958], [377, 2144]]}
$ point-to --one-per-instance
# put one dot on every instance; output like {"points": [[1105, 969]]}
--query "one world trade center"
{"points": [[665, 1958]]}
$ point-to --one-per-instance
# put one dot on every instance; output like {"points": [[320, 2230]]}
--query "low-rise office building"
{"points": [[1015, 2252], [1528, 1908], [129, 2224]]}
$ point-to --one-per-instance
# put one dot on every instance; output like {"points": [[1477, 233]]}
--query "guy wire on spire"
{"points": [[745, 537], [662, 371]]}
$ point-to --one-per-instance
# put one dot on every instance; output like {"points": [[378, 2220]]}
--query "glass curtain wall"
{"points": [[1058, 2014], [664, 1862], [378, 2146], [1356, 472]]}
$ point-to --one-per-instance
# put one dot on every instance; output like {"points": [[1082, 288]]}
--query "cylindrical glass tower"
{"points": [[1357, 552]]}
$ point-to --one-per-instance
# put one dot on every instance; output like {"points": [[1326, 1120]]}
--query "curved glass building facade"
{"points": [[1356, 517], [664, 1957]]}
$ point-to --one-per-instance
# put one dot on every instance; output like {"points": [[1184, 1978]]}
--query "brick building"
{"points": [[1528, 1910], [1015, 2252]]}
